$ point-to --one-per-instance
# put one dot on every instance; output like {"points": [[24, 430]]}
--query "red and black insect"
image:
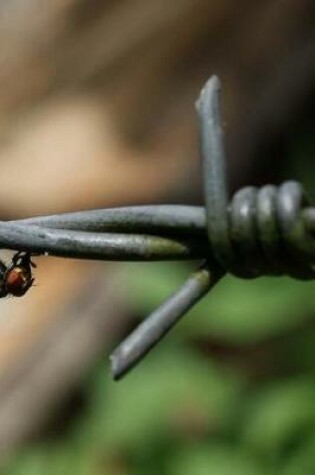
{"points": [[16, 278]]}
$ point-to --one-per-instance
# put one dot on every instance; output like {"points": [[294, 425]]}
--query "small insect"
{"points": [[16, 278]]}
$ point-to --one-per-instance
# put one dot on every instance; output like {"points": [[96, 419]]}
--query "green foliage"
{"points": [[207, 459], [176, 395], [280, 414], [182, 412]]}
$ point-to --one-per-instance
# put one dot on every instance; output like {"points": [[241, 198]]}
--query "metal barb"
{"points": [[266, 231], [162, 320], [214, 171]]}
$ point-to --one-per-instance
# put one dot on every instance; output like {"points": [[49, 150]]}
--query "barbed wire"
{"points": [[266, 231]]}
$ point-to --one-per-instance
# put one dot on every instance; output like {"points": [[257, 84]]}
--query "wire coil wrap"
{"points": [[259, 232], [265, 232]]}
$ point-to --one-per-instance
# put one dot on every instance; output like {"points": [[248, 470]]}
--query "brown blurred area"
{"points": [[97, 109]]}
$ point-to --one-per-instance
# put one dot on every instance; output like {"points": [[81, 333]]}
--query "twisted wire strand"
{"points": [[171, 222], [101, 246], [154, 219], [265, 231]]}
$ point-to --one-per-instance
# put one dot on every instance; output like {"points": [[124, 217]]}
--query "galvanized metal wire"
{"points": [[266, 231]]}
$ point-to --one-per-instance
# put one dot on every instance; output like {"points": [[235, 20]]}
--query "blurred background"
{"points": [[97, 109]]}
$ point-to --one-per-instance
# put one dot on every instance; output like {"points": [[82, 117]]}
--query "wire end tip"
{"points": [[210, 89], [115, 366], [119, 364]]}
